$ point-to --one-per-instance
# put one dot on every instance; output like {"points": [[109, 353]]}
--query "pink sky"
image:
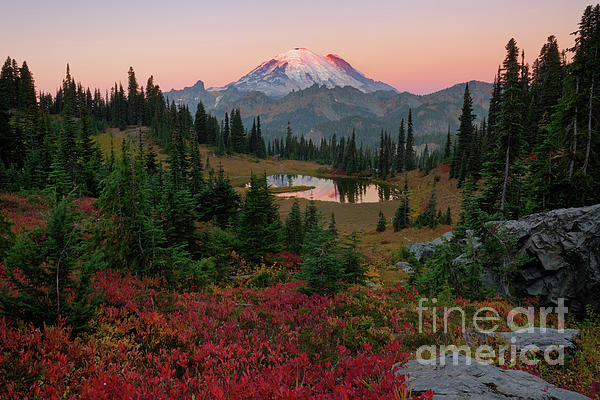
{"points": [[415, 46]]}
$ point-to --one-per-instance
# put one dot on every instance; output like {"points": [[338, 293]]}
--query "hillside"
{"points": [[318, 111]]}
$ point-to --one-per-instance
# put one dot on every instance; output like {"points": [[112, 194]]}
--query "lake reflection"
{"points": [[338, 190]]}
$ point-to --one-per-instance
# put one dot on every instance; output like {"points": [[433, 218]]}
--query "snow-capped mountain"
{"points": [[301, 68]]}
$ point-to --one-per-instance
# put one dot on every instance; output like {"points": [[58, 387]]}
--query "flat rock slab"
{"points": [[467, 378], [541, 338]]}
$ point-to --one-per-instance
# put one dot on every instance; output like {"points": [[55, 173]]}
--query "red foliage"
{"points": [[25, 213], [232, 344]]}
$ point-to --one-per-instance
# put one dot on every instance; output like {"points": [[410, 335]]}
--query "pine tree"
{"points": [[402, 216], [381, 222], [448, 148], [226, 136], [201, 124], [238, 137], [196, 170], [43, 267], [465, 138], [178, 213], [400, 148], [353, 261], [289, 150], [546, 89], [259, 227], [294, 229], [410, 158], [219, 201], [311, 217], [128, 233], [321, 268], [429, 217], [132, 99], [447, 219], [508, 131], [332, 227]]}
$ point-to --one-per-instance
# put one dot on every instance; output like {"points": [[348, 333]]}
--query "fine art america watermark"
{"points": [[504, 354]]}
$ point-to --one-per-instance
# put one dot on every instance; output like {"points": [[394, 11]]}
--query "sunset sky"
{"points": [[418, 46]]}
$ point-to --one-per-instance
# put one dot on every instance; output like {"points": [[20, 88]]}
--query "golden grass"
{"points": [[131, 134], [363, 217]]}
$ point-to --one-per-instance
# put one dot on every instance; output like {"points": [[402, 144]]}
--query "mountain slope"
{"points": [[319, 112], [323, 95], [301, 68]]}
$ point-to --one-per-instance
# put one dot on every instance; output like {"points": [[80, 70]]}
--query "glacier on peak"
{"points": [[301, 68]]}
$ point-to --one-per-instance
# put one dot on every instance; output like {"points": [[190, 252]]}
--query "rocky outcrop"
{"points": [[563, 247], [468, 378], [405, 267], [423, 250], [563, 252]]}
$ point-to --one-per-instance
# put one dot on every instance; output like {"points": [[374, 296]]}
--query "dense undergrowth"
{"points": [[252, 338]]}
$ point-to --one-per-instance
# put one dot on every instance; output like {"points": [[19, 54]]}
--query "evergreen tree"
{"points": [[353, 261], [178, 213], [429, 217], [201, 124], [219, 201], [196, 170], [259, 228], [294, 231], [402, 216], [381, 222], [465, 138], [502, 189], [43, 268], [133, 103], [447, 219], [332, 227], [226, 136], [400, 148], [447, 148], [311, 217], [321, 268], [128, 233], [409, 157], [238, 137]]}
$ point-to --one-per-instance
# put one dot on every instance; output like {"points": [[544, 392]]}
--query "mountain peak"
{"points": [[301, 68]]}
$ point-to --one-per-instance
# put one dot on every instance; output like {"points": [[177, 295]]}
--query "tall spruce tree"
{"points": [[502, 183], [410, 157], [259, 228], [294, 230], [465, 138], [400, 148], [381, 222], [201, 124]]}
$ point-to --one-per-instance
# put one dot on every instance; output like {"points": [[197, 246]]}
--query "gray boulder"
{"points": [[468, 378], [423, 250], [406, 267], [564, 251], [541, 338], [371, 284]]}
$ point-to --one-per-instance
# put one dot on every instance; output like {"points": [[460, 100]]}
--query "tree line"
{"points": [[540, 148]]}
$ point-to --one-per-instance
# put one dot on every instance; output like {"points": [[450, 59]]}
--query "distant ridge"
{"points": [[324, 95]]}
